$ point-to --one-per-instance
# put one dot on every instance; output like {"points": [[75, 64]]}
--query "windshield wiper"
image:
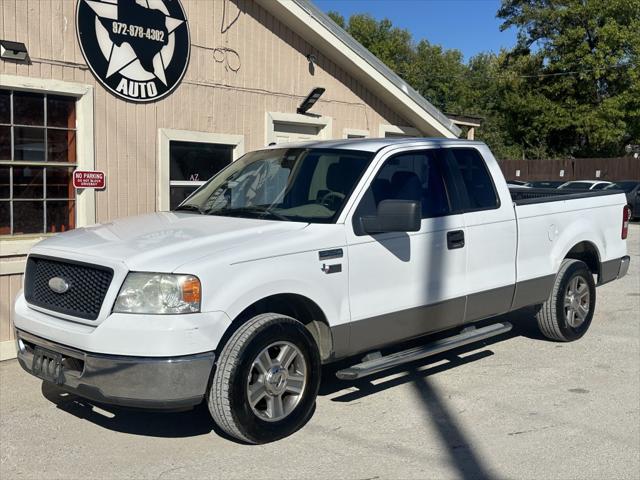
{"points": [[262, 211], [189, 207]]}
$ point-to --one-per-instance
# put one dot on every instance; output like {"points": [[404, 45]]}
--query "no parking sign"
{"points": [[88, 179]]}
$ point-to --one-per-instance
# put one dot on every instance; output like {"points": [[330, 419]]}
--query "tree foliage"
{"points": [[390, 44], [569, 87]]}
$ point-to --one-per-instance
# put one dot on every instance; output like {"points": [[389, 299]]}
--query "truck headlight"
{"points": [[158, 293]]}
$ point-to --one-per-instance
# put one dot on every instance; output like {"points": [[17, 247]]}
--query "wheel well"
{"points": [[588, 253], [292, 305]]}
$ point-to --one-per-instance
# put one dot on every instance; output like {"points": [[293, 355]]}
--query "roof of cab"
{"points": [[376, 144]]}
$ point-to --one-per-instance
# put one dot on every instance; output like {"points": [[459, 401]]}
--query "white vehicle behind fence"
{"points": [[300, 255], [585, 185]]}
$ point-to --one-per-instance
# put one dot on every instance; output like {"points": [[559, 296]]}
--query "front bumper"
{"points": [[146, 382]]}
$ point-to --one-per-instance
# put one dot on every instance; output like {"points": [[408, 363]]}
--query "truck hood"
{"points": [[161, 242]]}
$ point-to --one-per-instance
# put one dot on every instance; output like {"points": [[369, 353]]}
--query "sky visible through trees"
{"points": [[570, 87]]}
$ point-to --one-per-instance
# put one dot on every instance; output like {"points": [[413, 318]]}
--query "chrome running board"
{"points": [[467, 336]]}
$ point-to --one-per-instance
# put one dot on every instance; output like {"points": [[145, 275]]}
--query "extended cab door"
{"points": [[490, 230], [403, 285]]}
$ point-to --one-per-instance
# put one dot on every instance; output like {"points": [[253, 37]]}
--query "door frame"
{"points": [[166, 135], [399, 130], [324, 124], [372, 329], [357, 133]]}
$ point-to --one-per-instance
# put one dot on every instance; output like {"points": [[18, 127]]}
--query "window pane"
{"points": [[578, 186], [61, 146], [282, 183], [415, 176], [61, 216], [29, 144], [195, 162], [5, 143], [28, 182], [5, 102], [178, 194], [4, 182], [28, 217], [59, 182], [61, 111], [476, 178], [28, 108], [5, 218]]}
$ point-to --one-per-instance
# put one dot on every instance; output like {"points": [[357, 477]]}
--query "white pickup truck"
{"points": [[299, 255]]}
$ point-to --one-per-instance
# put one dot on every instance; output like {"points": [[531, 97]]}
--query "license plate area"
{"points": [[47, 365]]}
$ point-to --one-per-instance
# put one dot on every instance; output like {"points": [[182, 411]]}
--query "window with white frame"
{"points": [[355, 133], [396, 131], [37, 159], [193, 163]]}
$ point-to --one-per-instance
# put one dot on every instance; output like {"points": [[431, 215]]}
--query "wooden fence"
{"points": [[622, 168]]}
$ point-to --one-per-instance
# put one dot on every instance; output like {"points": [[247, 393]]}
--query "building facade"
{"points": [[159, 95]]}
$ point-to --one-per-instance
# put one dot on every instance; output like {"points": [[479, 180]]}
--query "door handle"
{"points": [[455, 239]]}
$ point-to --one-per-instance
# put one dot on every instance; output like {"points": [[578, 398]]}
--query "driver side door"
{"points": [[403, 285]]}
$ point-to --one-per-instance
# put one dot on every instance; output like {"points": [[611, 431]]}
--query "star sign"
{"points": [[128, 51]]}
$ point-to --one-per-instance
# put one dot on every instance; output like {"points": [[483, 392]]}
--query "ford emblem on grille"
{"points": [[58, 285]]}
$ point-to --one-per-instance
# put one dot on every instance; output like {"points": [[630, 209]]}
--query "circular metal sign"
{"points": [[139, 50]]}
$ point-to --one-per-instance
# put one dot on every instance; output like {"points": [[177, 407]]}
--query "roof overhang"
{"points": [[303, 17], [466, 120]]}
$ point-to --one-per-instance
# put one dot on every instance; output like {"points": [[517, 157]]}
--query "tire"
{"points": [[267, 337], [554, 318]]}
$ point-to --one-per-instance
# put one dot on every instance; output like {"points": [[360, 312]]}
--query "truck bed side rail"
{"points": [[528, 196]]}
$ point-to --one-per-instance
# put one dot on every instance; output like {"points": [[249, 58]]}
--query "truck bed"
{"points": [[528, 196]]}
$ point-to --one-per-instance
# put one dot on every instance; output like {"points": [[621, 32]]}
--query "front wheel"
{"points": [[566, 315], [267, 379]]}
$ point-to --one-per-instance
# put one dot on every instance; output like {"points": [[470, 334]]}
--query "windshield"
{"points": [[292, 184], [577, 186]]}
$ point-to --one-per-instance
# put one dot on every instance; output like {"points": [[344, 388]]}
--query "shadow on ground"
{"points": [[188, 423], [197, 421]]}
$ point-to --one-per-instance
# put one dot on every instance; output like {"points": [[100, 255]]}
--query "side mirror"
{"points": [[394, 216]]}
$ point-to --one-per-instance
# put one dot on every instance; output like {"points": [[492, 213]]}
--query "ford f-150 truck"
{"points": [[299, 255]]}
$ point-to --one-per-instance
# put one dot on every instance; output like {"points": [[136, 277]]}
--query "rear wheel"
{"points": [[567, 313], [266, 381]]}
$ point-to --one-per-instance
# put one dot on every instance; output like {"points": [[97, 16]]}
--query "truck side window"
{"points": [[475, 178], [409, 176]]}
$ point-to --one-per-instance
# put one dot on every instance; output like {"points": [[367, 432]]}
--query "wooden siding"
{"points": [[274, 76], [9, 287]]}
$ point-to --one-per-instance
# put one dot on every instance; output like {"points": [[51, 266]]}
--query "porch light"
{"points": [[311, 99], [16, 51]]}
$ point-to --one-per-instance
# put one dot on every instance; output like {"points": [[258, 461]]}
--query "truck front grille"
{"points": [[86, 284]]}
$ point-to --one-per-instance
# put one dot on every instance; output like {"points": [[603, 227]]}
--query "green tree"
{"points": [[440, 76], [390, 44], [570, 87], [336, 17], [578, 86]]}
